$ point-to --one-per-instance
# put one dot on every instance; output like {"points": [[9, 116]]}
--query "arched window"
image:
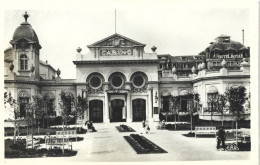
{"points": [[24, 62]]}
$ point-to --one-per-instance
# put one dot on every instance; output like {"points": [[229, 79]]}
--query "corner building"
{"points": [[121, 82]]}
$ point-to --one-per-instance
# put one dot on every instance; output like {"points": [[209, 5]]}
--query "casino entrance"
{"points": [[118, 113], [96, 110]]}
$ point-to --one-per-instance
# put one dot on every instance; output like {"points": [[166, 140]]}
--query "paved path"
{"points": [[109, 145]]}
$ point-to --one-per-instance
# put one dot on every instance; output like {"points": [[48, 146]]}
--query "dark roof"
{"points": [[224, 43], [46, 64], [8, 54], [25, 31]]}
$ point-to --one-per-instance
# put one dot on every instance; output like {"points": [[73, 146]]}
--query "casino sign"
{"points": [[116, 52]]}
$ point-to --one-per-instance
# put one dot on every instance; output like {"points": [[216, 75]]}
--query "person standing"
{"points": [[147, 128], [143, 125], [221, 138]]}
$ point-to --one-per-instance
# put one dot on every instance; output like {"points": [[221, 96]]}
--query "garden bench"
{"points": [[54, 141], [67, 134], [231, 137], [30, 140], [161, 126], [205, 131]]}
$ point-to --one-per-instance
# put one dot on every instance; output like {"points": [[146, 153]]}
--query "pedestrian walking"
{"points": [[143, 126]]}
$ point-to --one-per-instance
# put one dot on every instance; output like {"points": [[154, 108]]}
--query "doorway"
{"points": [[96, 110], [117, 111], [139, 109]]}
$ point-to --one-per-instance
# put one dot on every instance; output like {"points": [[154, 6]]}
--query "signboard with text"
{"points": [[116, 52], [231, 56]]}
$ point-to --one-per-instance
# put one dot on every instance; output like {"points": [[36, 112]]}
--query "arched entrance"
{"points": [[96, 110], [139, 109], [117, 111]]}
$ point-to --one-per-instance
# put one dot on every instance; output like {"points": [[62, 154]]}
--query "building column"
{"points": [[106, 108], [128, 108], [150, 105], [86, 116]]}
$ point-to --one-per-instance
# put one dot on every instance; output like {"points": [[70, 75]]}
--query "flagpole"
{"points": [[115, 20]]}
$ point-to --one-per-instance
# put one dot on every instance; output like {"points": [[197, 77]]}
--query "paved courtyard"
{"points": [[109, 145]]}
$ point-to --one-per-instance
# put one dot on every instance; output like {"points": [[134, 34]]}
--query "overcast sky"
{"points": [[174, 28]]}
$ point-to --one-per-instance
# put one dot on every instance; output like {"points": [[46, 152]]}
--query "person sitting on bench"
{"points": [[92, 127]]}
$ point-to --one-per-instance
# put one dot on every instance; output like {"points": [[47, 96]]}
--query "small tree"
{"points": [[48, 110], [39, 110], [236, 96], [212, 103], [66, 102], [222, 101], [33, 111], [193, 103], [11, 111], [81, 107], [175, 106]]}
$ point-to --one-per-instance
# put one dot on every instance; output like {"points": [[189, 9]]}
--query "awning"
{"points": [[24, 93], [184, 92], [166, 93], [212, 89]]}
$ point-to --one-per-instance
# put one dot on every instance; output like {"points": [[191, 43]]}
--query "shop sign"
{"points": [[231, 56]]}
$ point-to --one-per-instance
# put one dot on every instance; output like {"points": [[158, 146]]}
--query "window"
{"points": [[95, 82], [138, 81], [24, 62], [117, 81]]}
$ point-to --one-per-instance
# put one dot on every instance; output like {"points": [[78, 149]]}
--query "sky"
{"points": [[174, 27]]}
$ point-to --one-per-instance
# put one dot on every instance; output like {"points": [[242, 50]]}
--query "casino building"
{"points": [[121, 81]]}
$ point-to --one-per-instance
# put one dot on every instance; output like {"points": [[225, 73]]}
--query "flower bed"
{"points": [[32, 153], [42, 131], [142, 145], [124, 128], [18, 150]]}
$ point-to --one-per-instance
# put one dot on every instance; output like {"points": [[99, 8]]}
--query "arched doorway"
{"points": [[117, 111], [139, 109], [96, 110]]}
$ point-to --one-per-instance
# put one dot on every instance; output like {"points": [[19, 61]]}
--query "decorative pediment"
{"points": [[116, 40]]}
